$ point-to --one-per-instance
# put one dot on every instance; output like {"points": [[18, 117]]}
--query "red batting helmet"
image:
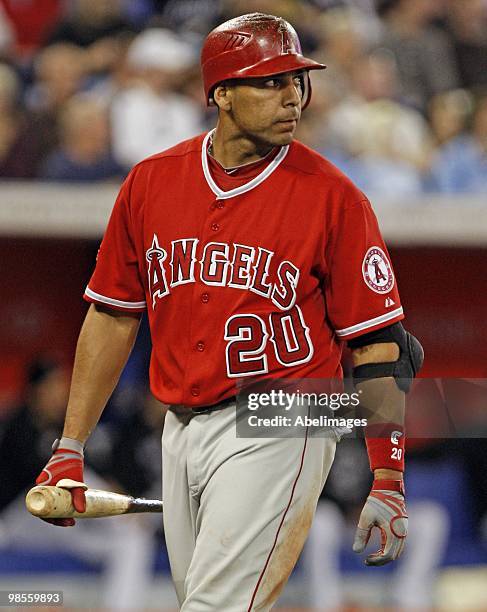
{"points": [[253, 45]]}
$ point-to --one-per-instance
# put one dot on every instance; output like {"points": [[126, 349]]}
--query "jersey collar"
{"points": [[260, 178]]}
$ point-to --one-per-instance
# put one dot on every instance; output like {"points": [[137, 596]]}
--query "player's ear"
{"points": [[222, 95]]}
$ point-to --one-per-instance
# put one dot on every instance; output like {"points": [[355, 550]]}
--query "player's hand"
{"points": [[65, 469], [386, 510]]}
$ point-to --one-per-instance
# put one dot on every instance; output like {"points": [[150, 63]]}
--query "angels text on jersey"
{"points": [[242, 267], [222, 265]]}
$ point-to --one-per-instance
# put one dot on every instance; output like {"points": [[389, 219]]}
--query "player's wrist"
{"points": [[387, 474], [68, 444], [389, 484], [385, 446]]}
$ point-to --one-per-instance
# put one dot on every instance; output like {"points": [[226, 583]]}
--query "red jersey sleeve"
{"points": [[116, 280], [361, 293]]}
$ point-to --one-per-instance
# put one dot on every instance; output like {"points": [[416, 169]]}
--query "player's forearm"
{"points": [[381, 400], [384, 404], [104, 345]]}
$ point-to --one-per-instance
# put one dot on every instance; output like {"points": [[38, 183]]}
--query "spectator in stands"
{"points": [[84, 151], [383, 145], [109, 70], [448, 114], [104, 57], [425, 59], [181, 16], [17, 156], [60, 71], [125, 545], [90, 21], [460, 166], [467, 26], [343, 45], [150, 116]]}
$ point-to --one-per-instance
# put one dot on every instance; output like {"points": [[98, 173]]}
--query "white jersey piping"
{"points": [[113, 301], [370, 323], [224, 195]]}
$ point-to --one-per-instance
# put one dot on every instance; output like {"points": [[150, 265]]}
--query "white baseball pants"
{"points": [[236, 511]]}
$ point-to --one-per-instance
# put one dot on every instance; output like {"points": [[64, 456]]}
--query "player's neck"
{"points": [[232, 149]]}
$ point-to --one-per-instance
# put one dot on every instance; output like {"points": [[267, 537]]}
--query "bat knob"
{"points": [[37, 502]]}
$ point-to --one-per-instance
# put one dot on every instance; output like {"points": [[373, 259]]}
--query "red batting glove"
{"points": [[65, 469], [385, 509]]}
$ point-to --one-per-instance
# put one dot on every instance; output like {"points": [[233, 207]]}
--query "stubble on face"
{"points": [[255, 116], [262, 115]]}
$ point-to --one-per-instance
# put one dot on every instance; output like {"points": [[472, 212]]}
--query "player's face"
{"points": [[268, 109]]}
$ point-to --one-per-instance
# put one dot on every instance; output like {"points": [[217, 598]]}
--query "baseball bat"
{"points": [[55, 502]]}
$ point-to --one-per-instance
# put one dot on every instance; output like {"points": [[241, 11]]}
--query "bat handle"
{"points": [[55, 502], [139, 504]]}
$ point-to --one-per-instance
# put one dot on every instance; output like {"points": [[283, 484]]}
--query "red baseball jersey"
{"points": [[263, 280]]}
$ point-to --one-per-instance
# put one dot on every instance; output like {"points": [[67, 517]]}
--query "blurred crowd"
{"points": [[90, 87]]}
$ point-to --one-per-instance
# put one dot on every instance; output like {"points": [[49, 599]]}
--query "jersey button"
{"points": [[215, 227], [200, 346], [220, 204], [205, 298], [195, 390]]}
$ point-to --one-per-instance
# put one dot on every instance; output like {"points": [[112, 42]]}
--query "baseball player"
{"points": [[256, 258]]}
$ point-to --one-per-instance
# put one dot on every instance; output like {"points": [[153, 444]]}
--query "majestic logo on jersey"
{"points": [[222, 265], [377, 271]]}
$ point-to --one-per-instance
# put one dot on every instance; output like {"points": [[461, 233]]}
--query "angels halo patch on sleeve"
{"points": [[377, 271]]}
